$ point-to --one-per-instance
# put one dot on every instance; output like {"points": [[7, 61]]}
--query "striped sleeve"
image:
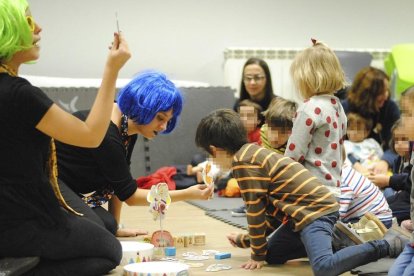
{"points": [[274, 186], [360, 196], [253, 182]]}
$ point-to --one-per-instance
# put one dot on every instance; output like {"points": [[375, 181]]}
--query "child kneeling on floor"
{"points": [[358, 195], [275, 186]]}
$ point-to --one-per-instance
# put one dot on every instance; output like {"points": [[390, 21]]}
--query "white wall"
{"points": [[186, 38]]}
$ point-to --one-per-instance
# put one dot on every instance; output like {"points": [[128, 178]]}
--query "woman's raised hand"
{"points": [[118, 53]]}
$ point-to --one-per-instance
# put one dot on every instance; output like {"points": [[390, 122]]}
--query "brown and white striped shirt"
{"points": [[276, 186]]}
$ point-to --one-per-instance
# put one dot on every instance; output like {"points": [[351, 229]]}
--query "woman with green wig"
{"points": [[35, 219]]}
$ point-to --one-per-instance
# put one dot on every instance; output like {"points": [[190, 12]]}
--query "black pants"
{"points": [[98, 215], [83, 248]]}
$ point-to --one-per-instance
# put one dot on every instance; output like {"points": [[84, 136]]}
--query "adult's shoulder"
{"points": [[391, 104], [391, 110]]}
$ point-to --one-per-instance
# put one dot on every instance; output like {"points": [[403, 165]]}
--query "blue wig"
{"points": [[147, 94]]}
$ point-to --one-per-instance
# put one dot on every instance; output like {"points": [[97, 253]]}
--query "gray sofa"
{"points": [[175, 148]]}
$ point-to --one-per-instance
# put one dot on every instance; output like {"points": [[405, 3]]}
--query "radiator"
{"points": [[279, 61]]}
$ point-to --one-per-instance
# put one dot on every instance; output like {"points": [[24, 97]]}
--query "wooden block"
{"points": [[199, 239]]}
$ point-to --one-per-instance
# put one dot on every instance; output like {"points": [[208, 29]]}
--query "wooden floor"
{"points": [[186, 218]]}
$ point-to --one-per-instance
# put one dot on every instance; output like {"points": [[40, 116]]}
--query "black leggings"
{"points": [[98, 215], [85, 248]]}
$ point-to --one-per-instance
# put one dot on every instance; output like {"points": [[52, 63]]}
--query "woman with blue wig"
{"points": [[33, 222], [148, 105]]}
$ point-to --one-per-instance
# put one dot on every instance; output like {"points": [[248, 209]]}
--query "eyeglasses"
{"points": [[31, 22], [256, 78]]}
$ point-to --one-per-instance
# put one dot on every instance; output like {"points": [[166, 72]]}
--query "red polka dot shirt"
{"points": [[317, 135]]}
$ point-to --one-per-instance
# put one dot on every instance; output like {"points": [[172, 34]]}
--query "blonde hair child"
{"points": [[320, 122]]}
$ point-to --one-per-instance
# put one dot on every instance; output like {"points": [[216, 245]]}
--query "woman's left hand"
{"points": [[129, 232]]}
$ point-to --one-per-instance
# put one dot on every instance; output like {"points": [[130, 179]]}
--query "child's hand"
{"points": [[232, 237], [251, 264], [381, 180], [201, 191], [380, 167]]}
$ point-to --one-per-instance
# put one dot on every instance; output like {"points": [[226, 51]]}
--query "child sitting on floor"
{"points": [[275, 186], [362, 152], [397, 187], [405, 262], [360, 197]]}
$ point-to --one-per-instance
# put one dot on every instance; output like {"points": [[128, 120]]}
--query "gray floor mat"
{"points": [[218, 203], [225, 216], [377, 268], [220, 208]]}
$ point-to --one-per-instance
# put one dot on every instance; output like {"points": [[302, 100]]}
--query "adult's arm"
{"points": [[68, 129], [199, 191]]}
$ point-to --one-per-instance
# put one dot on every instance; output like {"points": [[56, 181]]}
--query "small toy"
{"points": [[196, 258], [162, 239], [159, 200], [207, 175], [217, 267], [169, 259], [222, 255], [199, 239], [192, 264], [187, 254], [178, 241], [209, 252], [170, 251], [193, 256]]}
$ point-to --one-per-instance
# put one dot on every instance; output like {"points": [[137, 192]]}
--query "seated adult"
{"points": [[370, 97], [256, 84], [149, 105], [33, 221]]}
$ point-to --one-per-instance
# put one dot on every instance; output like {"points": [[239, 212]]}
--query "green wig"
{"points": [[15, 33]]}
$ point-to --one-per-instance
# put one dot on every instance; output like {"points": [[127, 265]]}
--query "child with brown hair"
{"points": [[275, 133], [397, 187], [276, 188], [363, 152], [404, 265], [250, 115]]}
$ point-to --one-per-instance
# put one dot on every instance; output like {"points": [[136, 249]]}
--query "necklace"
{"points": [[8, 70], [124, 131]]}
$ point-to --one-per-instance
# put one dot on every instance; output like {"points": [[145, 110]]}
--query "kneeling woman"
{"points": [[150, 104]]}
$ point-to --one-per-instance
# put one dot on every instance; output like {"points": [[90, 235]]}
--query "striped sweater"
{"points": [[276, 186], [359, 196]]}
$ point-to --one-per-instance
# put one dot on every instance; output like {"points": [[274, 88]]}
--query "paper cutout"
{"points": [[159, 200], [208, 175]]}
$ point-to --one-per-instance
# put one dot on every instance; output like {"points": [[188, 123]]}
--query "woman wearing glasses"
{"points": [[256, 84], [34, 219]]}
